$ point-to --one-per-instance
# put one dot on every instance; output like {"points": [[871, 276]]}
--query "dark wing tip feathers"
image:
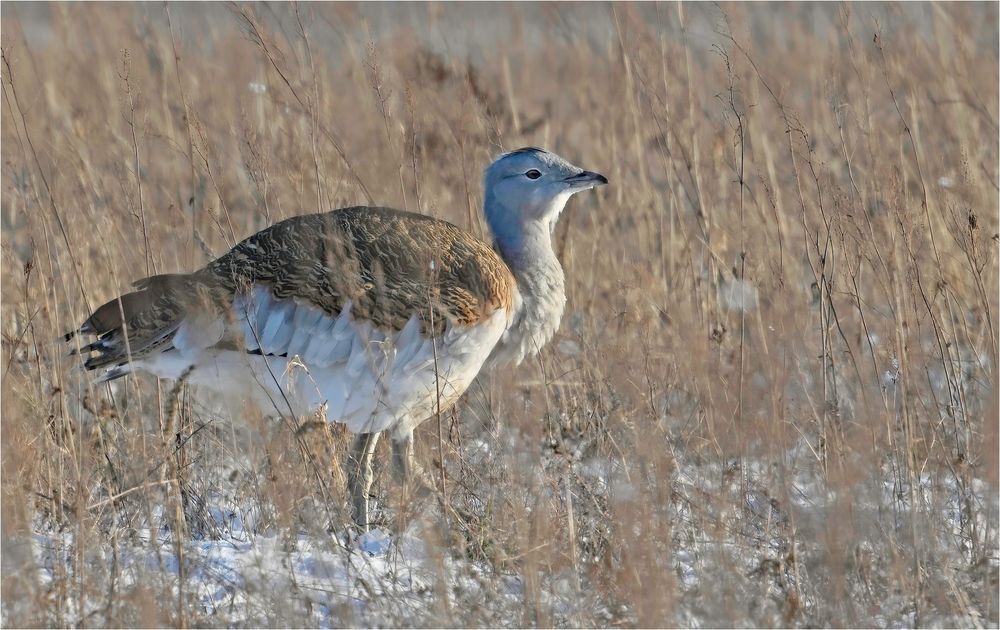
{"points": [[100, 345], [113, 374]]}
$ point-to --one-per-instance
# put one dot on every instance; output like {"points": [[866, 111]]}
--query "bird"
{"points": [[381, 318]]}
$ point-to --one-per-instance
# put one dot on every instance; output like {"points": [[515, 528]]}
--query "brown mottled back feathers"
{"points": [[390, 264]]}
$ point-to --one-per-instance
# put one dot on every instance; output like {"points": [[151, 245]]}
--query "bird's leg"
{"points": [[405, 469], [407, 472], [360, 477]]}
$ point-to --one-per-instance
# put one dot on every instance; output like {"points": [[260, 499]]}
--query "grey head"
{"points": [[525, 190]]}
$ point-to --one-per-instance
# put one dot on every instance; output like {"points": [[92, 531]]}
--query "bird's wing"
{"points": [[389, 264], [287, 285]]}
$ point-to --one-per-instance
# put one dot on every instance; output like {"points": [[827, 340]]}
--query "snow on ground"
{"points": [[243, 574], [248, 579]]}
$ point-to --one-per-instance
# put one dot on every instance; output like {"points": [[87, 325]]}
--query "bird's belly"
{"points": [[377, 386]]}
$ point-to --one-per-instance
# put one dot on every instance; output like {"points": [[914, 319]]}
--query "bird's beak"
{"points": [[586, 179]]}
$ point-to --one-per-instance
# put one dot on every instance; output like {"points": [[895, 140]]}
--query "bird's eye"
{"points": [[533, 174]]}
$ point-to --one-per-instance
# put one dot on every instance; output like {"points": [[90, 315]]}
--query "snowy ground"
{"points": [[241, 572], [239, 578]]}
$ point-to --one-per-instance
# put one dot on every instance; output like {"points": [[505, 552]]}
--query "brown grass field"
{"points": [[773, 397]]}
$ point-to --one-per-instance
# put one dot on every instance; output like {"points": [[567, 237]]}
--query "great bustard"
{"points": [[382, 316]]}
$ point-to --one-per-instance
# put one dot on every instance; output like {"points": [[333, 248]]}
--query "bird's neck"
{"points": [[526, 247]]}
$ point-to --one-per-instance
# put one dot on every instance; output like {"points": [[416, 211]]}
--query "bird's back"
{"points": [[390, 264]]}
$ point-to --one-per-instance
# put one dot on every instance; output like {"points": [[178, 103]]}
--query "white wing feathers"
{"points": [[285, 328], [367, 378]]}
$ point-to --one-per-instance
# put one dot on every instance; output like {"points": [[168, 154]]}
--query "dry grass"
{"points": [[824, 455]]}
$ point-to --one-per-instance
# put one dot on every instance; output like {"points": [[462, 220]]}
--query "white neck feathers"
{"points": [[526, 247]]}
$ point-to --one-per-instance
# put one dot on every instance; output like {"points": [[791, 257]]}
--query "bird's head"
{"points": [[529, 186]]}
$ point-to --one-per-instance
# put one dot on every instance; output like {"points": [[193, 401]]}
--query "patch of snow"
{"points": [[375, 542]]}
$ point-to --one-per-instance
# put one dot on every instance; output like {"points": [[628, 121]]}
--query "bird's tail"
{"points": [[132, 325]]}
